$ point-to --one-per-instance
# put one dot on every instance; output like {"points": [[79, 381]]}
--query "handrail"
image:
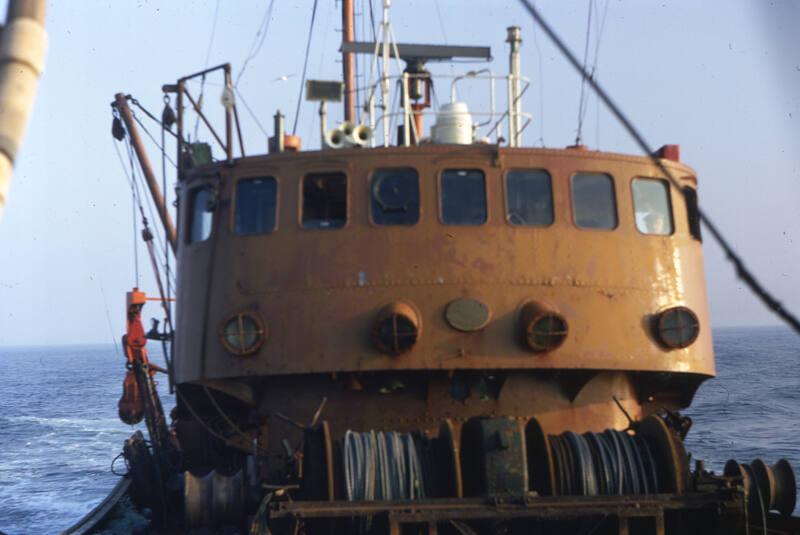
{"points": [[229, 104]]}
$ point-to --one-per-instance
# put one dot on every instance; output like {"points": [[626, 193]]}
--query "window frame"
{"points": [[440, 189], [615, 198], [370, 216], [189, 219], [300, 198], [694, 223], [669, 203], [235, 204], [506, 204]]}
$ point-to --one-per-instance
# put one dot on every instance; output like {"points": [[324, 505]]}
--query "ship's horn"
{"points": [[360, 136], [335, 138], [347, 127]]}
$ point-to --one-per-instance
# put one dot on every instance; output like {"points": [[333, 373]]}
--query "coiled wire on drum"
{"points": [[607, 463], [385, 466]]}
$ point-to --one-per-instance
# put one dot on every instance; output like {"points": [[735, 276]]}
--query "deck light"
{"points": [[242, 334], [677, 327]]}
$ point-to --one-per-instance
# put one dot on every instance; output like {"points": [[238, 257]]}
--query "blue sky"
{"points": [[721, 78]]}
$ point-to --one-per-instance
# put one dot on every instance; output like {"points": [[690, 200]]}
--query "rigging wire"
{"points": [[148, 201], [600, 26], [541, 86], [258, 41], [584, 73], [203, 79], [305, 67], [213, 34], [153, 139], [741, 270]]}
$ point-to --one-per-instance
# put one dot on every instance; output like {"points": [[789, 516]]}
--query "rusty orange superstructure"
{"points": [[319, 291]]}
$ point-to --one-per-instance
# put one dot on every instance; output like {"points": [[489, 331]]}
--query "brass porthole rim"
{"points": [[660, 318], [530, 312], [262, 332], [537, 319]]}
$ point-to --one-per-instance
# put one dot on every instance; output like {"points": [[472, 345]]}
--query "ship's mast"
{"points": [[348, 61], [22, 52]]}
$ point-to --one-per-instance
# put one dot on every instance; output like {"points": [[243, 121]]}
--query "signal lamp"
{"points": [[242, 334], [542, 329], [396, 329], [677, 327]]}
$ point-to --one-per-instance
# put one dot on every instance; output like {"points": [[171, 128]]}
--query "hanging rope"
{"points": [[741, 270], [305, 67]]}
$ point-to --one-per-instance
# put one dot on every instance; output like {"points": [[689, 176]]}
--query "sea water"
{"points": [[59, 430]]}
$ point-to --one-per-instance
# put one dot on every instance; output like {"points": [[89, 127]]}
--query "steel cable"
{"points": [[384, 466], [603, 464]]}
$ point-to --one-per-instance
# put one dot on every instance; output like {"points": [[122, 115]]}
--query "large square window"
{"points": [[201, 214], [256, 205], [593, 201], [395, 197], [463, 197], [651, 206], [324, 200], [529, 198]]}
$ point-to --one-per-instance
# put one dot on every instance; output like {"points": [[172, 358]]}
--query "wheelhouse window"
{"points": [[692, 212], [201, 214], [529, 198], [463, 197], [324, 200], [256, 204], [593, 201], [395, 196], [651, 206]]}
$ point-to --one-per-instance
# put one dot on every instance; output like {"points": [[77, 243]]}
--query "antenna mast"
{"points": [[348, 61]]}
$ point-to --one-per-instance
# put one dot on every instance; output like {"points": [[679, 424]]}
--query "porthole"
{"points": [[396, 329], [677, 327], [542, 329], [242, 334]]}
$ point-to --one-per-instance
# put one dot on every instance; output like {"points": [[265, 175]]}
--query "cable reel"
{"points": [[652, 460]]}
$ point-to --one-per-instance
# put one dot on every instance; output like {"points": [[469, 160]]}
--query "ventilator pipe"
{"points": [[22, 51]]}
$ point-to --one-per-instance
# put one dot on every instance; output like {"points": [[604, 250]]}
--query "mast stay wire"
{"points": [[145, 225], [584, 73], [258, 41], [741, 270], [600, 26], [541, 86], [133, 206], [305, 66], [208, 57], [137, 203]]}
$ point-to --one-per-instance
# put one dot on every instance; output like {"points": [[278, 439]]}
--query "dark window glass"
{"points": [[463, 197], [201, 215], [651, 206], [395, 197], [693, 212], [593, 201], [324, 200], [255, 206], [529, 198]]}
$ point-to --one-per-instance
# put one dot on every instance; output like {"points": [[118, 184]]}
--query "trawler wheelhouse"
{"points": [[417, 328]]}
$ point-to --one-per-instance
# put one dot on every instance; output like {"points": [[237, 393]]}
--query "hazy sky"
{"points": [[721, 78]]}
